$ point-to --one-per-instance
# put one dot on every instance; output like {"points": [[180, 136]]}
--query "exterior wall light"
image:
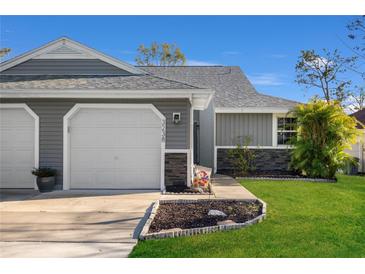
{"points": [[176, 117]]}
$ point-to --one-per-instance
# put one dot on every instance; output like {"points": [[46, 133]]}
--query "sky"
{"points": [[265, 47]]}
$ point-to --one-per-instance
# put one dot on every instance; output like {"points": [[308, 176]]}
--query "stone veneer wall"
{"points": [[176, 169], [265, 160]]}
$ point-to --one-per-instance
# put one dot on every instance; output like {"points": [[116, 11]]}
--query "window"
{"points": [[286, 130]]}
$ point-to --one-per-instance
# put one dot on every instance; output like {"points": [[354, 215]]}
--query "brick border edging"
{"points": [[319, 180], [144, 235]]}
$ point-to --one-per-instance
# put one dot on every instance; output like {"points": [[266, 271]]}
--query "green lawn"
{"points": [[304, 220]]}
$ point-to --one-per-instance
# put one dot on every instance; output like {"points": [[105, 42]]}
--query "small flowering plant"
{"points": [[201, 180]]}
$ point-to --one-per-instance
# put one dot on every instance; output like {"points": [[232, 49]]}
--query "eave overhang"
{"points": [[199, 98]]}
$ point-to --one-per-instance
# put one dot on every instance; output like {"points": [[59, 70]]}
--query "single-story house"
{"points": [[358, 149], [103, 123]]}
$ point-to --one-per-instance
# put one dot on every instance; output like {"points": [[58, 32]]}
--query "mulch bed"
{"points": [[177, 189], [193, 215], [183, 190]]}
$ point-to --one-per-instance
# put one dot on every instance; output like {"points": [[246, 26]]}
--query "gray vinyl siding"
{"points": [[64, 67], [52, 111], [231, 127], [206, 121]]}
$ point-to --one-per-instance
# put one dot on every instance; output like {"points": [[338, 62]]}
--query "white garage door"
{"points": [[17, 141], [115, 148]]}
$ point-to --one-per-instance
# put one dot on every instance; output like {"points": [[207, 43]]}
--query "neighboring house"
{"points": [[103, 123], [358, 149]]}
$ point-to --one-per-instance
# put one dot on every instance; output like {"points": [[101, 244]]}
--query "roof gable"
{"points": [[67, 49]]}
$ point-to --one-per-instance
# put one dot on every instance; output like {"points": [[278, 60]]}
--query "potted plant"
{"points": [[45, 178]]}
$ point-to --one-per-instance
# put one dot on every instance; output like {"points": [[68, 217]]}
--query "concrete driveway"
{"points": [[71, 223]]}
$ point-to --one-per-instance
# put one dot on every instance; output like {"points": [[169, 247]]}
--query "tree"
{"points": [[357, 99], [4, 51], [324, 131], [160, 55], [357, 35], [322, 71]]}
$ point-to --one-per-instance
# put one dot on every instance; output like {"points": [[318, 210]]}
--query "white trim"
{"points": [[75, 93], [72, 44], [66, 136], [199, 98], [177, 150], [215, 142], [274, 129], [36, 132], [162, 165], [215, 159], [200, 106], [191, 150], [253, 110], [275, 117]]}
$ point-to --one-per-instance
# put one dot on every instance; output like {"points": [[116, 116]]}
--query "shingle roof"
{"points": [[360, 116], [232, 88], [133, 82]]}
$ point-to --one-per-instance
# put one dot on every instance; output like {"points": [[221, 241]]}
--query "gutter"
{"points": [[199, 98]]}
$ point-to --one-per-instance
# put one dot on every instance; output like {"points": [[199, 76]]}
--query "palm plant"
{"points": [[324, 132]]}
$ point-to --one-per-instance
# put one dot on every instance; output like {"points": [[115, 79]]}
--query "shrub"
{"points": [[242, 158], [324, 132], [44, 172]]}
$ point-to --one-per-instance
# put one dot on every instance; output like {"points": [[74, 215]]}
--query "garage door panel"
{"points": [[122, 137], [24, 179], [17, 148], [92, 137], [20, 158], [16, 116], [134, 157], [94, 179], [16, 137], [139, 137], [104, 158], [138, 180], [115, 148], [113, 117], [103, 179], [92, 158]]}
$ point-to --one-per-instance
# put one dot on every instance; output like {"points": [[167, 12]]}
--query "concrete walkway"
{"points": [[225, 187], [76, 224]]}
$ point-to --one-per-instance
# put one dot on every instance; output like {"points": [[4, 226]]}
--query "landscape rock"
{"points": [[226, 222], [214, 212], [171, 230]]}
